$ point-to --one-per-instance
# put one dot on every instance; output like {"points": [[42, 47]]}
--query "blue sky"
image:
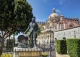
{"points": [[43, 8]]}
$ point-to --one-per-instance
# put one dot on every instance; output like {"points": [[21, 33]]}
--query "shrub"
{"points": [[73, 46], [44, 54], [61, 47], [6, 55], [58, 46]]}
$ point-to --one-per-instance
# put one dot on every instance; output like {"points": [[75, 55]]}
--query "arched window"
{"points": [[55, 38], [64, 38]]}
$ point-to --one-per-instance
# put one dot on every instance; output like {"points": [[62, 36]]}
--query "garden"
{"points": [[69, 46]]}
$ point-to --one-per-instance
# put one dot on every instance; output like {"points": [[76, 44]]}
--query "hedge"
{"points": [[73, 46], [58, 46], [61, 46]]}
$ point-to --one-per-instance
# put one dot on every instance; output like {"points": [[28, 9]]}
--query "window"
{"points": [[55, 38], [64, 38]]}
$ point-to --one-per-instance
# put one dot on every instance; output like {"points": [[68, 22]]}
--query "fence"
{"points": [[45, 48]]}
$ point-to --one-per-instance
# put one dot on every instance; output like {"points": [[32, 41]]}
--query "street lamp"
{"points": [[50, 38], [39, 44]]}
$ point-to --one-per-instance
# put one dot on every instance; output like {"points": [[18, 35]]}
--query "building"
{"points": [[61, 27], [70, 33], [59, 22]]}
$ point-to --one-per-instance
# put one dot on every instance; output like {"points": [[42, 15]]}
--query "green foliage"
{"points": [[73, 46], [44, 54], [61, 47], [58, 46], [23, 13], [39, 31], [6, 55], [6, 13], [15, 16]]}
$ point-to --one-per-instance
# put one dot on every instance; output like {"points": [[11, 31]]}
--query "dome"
{"points": [[54, 14], [53, 17]]}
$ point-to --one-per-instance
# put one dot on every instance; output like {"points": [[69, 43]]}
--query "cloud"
{"points": [[40, 20], [61, 2], [57, 10]]}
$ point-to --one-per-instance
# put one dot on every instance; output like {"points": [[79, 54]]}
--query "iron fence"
{"points": [[46, 48]]}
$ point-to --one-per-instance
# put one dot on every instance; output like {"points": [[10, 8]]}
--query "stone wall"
{"points": [[67, 33]]}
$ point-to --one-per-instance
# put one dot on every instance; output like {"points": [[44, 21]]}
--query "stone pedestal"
{"points": [[27, 52]]}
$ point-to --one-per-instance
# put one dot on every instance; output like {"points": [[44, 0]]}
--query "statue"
{"points": [[32, 28]]}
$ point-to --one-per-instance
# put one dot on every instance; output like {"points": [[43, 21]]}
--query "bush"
{"points": [[44, 54], [58, 46], [61, 47], [6, 55], [73, 46]]}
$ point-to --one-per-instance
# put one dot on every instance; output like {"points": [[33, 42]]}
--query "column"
{"points": [[57, 26], [64, 25], [54, 28], [60, 27]]}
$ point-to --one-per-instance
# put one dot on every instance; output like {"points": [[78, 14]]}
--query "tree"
{"points": [[22, 11], [39, 31], [15, 15]]}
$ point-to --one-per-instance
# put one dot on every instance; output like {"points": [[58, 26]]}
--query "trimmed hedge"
{"points": [[58, 46], [73, 46], [61, 46]]}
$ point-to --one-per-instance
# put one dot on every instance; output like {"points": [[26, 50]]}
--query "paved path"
{"points": [[59, 55]]}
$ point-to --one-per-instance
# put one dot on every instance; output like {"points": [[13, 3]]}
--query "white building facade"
{"points": [[67, 33]]}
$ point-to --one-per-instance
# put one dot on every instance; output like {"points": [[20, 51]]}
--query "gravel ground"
{"points": [[59, 55]]}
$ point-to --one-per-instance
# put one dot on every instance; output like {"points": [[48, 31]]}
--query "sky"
{"points": [[43, 8]]}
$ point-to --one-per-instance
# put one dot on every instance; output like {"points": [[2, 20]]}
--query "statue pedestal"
{"points": [[27, 52]]}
